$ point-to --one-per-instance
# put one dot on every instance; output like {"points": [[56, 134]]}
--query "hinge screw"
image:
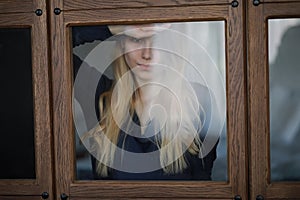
{"points": [[237, 197], [256, 2], [57, 11], [38, 12], [260, 197], [234, 3], [63, 196], [45, 195]]}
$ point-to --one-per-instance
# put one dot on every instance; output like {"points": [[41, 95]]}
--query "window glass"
{"points": [[149, 101], [17, 126], [284, 72]]}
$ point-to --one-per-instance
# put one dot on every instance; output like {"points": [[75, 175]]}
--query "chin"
{"points": [[145, 77]]}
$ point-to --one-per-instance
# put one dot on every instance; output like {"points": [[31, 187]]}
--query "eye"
{"points": [[135, 40]]}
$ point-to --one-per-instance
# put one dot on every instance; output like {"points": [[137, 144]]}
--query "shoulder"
{"points": [[89, 80], [104, 84], [210, 114], [205, 96]]}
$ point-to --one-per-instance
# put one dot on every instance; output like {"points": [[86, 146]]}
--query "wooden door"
{"points": [[271, 177], [67, 14], [26, 156]]}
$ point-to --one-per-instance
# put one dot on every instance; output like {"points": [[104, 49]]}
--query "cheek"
{"points": [[156, 56], [131, 59]]}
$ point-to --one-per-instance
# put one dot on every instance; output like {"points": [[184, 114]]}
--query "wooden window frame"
{"points": [[241, 119], [79, 12], [13, 15], [258, 79]]}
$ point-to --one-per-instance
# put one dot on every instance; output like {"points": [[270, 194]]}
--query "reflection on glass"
{"points": [[158, 91], [17, 128], [284, 72]]}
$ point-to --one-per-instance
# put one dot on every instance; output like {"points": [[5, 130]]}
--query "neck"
{"points": [[147, 95], [148, 92]]}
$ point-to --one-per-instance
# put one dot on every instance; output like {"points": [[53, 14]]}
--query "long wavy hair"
{"points": [[181, 126]]}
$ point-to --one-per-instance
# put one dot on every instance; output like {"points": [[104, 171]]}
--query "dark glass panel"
{"points": [[16, 119]]}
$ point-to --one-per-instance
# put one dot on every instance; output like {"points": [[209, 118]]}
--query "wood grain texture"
{"points": [[259, 101], [42, 102], [138, 198], [291, 10], [20, 198], [20, 20], [61, 101], [62, 83], [13, 6], [151, 189], [149, 15], [41, 96], [18, 187], [107, 4], [284, 190], [280, 1], [237, 102]]}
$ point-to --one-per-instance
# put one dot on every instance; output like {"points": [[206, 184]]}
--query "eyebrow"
{"points": [[142, 38]]}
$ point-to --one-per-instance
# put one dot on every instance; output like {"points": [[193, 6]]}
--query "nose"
{"points": [[147, 51]]}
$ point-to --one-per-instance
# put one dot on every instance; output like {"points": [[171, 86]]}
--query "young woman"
{"points": [[151, 121]]}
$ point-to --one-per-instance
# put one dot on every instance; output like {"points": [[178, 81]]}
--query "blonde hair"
{"points": [[181, 131]]}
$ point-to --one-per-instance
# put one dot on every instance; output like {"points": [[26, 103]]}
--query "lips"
{"points": [[144, 66]]}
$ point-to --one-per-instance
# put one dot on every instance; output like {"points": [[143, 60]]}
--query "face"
{"points": [[141, 57]]}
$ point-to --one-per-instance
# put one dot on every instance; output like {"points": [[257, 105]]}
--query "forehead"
{"points": [[147, 38], [141, 31]]}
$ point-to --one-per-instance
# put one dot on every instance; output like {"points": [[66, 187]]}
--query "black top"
{"points": [[198, 169]]}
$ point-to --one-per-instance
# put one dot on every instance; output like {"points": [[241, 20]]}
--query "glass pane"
{"points": [[158, 91], [284, 72], [17, 127]]}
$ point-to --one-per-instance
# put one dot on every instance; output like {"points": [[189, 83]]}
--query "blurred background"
{"points": [[284, 89]]}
